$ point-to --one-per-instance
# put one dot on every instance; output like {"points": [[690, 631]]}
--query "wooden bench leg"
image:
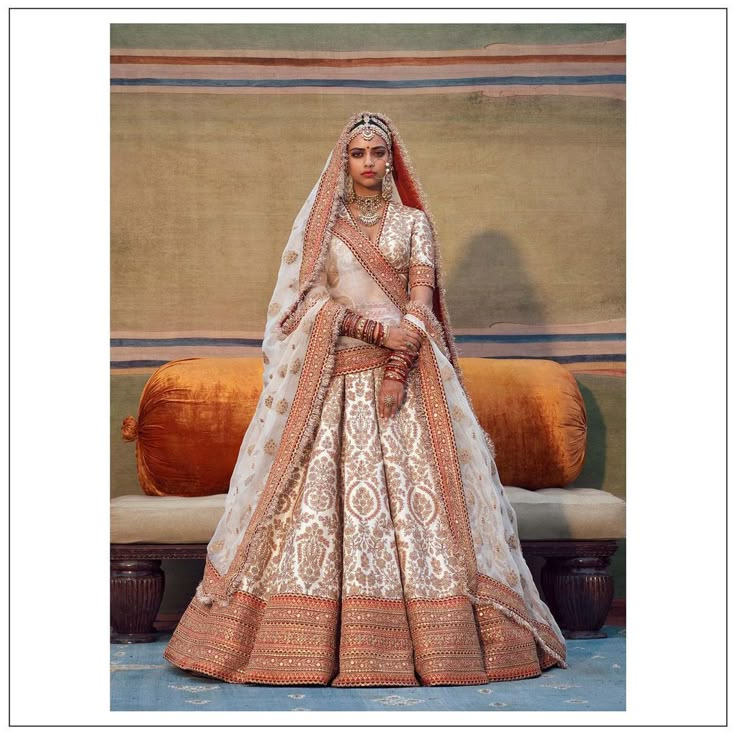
{"points": [[577, 585], [136, 590]]}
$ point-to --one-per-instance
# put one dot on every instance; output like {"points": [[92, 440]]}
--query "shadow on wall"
{"points": [[595, 451], [499, 283]]}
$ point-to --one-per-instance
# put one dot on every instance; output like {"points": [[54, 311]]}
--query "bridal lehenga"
{"points": [[357, 550]]}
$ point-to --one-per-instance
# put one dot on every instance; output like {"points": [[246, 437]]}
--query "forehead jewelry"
{"points": [[371, 126]]}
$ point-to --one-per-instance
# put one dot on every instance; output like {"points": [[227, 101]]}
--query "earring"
{"points": [[349, 189], [386, 188]]}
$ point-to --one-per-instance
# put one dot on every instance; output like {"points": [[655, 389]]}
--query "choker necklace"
{"points": [[370, 209]]}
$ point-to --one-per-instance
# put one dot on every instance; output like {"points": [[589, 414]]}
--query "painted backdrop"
{"points": [[517, 132]]}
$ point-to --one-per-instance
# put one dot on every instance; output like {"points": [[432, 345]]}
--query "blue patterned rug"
{"points": [[142, 680]]}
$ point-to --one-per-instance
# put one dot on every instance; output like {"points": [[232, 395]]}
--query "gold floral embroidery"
{"points": [[296, 365], [282, 371], [273, 309], [270, 447], [446, 458], [421, 276], [290, 256], [282, 406], [510, 650], [372, 259], [357, 359], [268, 401], [457, 414], [265, 358], [250, 449], [422, 247]]}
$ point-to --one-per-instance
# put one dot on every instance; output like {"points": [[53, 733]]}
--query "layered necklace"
{"points": [[369, 209]]}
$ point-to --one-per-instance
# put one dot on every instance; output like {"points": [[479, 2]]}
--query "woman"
{"points": [[366, 538]]}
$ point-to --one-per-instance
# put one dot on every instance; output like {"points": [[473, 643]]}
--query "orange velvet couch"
{"points": [[191, 419]]}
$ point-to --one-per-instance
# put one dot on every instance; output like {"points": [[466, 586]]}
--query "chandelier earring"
{"points": [[349, 188], [386, 187]]}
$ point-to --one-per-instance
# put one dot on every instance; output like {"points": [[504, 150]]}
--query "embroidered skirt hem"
{"points": [[355, 642]]}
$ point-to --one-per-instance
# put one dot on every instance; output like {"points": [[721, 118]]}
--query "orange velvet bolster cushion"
{"points": [[193, 414]]}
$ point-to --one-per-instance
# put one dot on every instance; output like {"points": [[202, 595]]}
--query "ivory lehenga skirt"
{"points": [[362, 584]]}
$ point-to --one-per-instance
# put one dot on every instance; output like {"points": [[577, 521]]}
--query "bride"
{"points": [[366, 538]]}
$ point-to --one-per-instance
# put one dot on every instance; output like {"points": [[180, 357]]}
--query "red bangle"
{"points": [[361, 328], [403, 358]]}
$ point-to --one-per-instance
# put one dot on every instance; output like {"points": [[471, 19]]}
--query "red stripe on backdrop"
{"points": [[365, 61]]}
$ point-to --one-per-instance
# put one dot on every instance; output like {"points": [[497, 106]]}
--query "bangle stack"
{"points": [[398, 366], [400, 362], [362, 328]]}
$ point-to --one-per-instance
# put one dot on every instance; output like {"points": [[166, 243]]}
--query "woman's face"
{"points": [[367, 162]]}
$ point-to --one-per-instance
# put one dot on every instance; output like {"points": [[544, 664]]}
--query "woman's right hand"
{"points": [[402, 338]]}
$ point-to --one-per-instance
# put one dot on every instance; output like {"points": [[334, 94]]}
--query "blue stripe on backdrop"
{"points": [[155, 342], [557, 337], [137, 363], [152, 342], [603, 358], [369, 83]]}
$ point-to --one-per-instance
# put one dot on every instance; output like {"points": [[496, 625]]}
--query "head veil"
{"points": [[302, 328]]}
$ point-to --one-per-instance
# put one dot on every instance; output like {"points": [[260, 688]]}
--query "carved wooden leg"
{"points": [[576, 584], [136, 590]]}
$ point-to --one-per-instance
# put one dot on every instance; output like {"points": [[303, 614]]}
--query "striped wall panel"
{"points": [[593, 347], [593, 69]]}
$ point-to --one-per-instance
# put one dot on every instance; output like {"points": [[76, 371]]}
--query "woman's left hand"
{"points": [[396, 392]]}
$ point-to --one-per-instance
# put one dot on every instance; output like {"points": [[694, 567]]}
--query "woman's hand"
{"points": [[402, 338], [394, 390]]}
